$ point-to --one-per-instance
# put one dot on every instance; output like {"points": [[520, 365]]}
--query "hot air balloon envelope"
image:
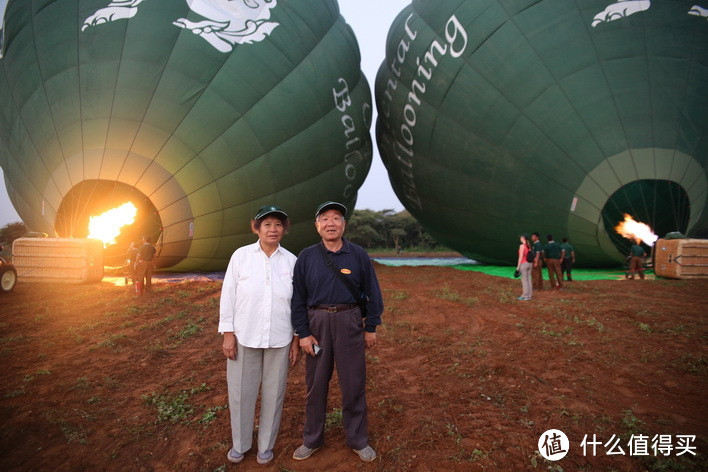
{"points": [[498, 118], [197, 112]]}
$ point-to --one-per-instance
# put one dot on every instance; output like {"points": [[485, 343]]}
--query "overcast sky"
{"points": [[370, 20]]}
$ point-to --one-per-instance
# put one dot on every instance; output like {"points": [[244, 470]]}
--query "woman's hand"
{"points": [[294, 354], [229, 347]]}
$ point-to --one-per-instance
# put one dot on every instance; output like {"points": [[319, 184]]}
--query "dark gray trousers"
{"points": [[341, 337]]}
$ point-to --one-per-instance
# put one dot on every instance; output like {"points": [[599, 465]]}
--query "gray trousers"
{"points": [[341, 337], [254, 368], [526, 284]]}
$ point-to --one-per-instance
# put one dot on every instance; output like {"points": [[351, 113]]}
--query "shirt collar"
{"points": [[257, 248]]}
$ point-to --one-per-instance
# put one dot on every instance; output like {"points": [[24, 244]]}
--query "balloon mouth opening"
{"points": [[663, 205], [93, 198]]}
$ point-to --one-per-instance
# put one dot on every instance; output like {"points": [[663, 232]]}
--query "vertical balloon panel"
{"points": [[497, 118], [198, 112]]}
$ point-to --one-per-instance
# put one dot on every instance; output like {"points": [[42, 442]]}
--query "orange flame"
{"points": [[106, 226], [631, 229]]}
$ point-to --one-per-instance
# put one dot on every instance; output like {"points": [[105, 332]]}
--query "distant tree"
{"points": [[407, 229], [367, 236], [397, 234], [427, 241], [365, 227], [12, 231]]}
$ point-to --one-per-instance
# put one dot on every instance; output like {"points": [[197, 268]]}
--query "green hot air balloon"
{"points": [[197, 111], [500, 117]]}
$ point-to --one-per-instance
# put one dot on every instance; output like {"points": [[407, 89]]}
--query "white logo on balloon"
{"points": [[625, 8], [228, 22]]}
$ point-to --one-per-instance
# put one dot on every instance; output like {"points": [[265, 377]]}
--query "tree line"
{"points": [[12, 231], [386, 229]]}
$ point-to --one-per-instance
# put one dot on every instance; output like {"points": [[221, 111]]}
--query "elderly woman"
{"points": [[523, 265], [259, 341]]}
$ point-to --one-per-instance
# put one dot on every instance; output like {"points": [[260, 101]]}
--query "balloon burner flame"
{"points": [[631, 229], [107, 226]]}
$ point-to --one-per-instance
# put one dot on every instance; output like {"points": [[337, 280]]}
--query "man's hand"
{"points": [[229, 347], [369, 339], [307, 344]]}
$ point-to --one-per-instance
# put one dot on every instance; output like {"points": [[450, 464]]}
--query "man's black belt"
{"points": [[335, 307]]}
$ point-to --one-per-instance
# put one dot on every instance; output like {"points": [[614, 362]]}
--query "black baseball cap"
{"points": [[269, 210], [331, 206]]}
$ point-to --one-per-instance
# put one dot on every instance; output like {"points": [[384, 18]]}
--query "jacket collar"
{"points": [[346, 247]]}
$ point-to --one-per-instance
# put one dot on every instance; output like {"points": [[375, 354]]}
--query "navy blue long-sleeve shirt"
{"points": [[315, 284]]}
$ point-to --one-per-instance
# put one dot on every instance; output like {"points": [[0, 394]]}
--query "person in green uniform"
{"points": [[553, 254], [145, 266], [568, 259], [537, 269], [637, 254]]}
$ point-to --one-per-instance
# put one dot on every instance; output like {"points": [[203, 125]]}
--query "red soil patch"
{"points": [[465, 377]]}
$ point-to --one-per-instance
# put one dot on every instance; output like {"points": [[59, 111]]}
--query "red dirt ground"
{"points": [[465, 377]]}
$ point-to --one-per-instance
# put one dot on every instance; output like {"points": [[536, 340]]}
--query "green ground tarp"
{"points": [[462, 263], [578, 274]]}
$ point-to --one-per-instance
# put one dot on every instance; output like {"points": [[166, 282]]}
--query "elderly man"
{"points": [[336, 306]]}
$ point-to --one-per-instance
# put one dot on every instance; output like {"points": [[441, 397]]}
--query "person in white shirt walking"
{"points": [[259, 341]]}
